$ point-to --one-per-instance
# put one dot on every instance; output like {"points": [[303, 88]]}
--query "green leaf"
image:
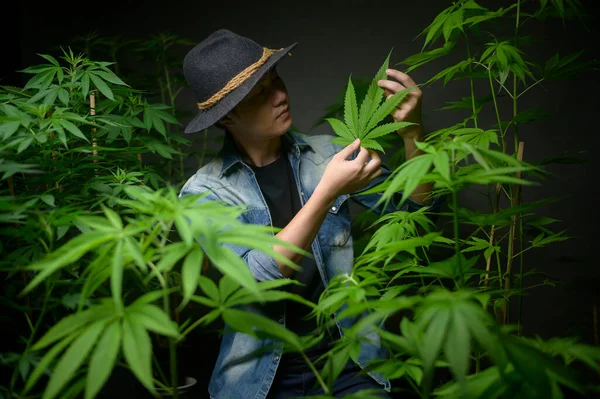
{"points": [[229, 263], [350, 113], [109, 76], [413, 174], [133, 250], [441, 162], [541, 241], [373, 97], [50, 58], [184, 230], [432, 341], [50, 98], [340, 129], [72, 359], [416, 60], [371, 145], [48, 199], [458, 346], [113, 217], [63, 95], [449, 72], [101, 85], [387, 128], [65, 255], [386, 108], [153, 319], [148, 118], [167, 117], [72, 323], [9, 128], [341, 141], [152, 296], [210, 288], [85, 85], [242, 297], [158, 124], [190, 272], [74, 130], [116, 276], [103, 359], [170, 255], [432, 31], [24, 145], [253, 324], [44, 363], [137, 349]]}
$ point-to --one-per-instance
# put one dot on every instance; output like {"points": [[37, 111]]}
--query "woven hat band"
{"points": [[237, 80]]}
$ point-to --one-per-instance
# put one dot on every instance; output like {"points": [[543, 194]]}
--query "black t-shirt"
{"points": [[278, 186]]}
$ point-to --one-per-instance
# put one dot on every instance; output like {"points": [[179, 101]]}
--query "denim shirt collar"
{"points": [[231, 156]]}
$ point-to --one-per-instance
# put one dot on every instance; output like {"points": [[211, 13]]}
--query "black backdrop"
{"points": [[337, 38]]}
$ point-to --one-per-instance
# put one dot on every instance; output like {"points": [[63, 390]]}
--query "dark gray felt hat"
{"points": [[221, 70]]}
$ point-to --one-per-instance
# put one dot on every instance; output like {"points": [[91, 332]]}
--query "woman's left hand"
{"points": [[409, 110]]}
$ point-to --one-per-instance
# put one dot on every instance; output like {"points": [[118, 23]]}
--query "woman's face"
{"points": [[264, 112]]}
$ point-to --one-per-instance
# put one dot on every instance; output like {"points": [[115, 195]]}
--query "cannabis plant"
{"points": [[138, 256], [460, 313], [363, 123], [72, 141], [164, 82]]}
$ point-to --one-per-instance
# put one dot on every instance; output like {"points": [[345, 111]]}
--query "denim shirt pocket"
{"points": [[335, 230]]}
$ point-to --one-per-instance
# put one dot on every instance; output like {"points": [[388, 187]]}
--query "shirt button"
{"points": [[276, 358], [333, 208]]}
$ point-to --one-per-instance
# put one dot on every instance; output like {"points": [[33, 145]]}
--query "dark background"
{"points": [[338, 38]]}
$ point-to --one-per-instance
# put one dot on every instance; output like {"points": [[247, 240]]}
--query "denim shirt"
{"points": [[228, 179]]}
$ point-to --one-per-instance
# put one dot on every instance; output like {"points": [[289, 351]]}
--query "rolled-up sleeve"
{"points": [[371, 201], [262, 266]]}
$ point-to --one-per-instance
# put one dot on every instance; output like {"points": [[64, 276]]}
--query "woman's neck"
{"points": [[259, 152]]}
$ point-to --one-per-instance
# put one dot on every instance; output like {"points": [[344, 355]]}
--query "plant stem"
{"points": [[317, 375], [94, 141], [172, 103], [15, 374], [456, 230], [456, 237], [521, 262], [471, 83], [511, 237], [523, 251], [492, 233], [159, 369], [496, 108], [172, 343], [517, 194]]}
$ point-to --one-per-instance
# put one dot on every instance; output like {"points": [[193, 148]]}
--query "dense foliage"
{"points": [[101, 256]]}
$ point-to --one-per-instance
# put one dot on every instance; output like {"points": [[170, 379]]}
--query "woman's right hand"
{"points": [[344, 176]]}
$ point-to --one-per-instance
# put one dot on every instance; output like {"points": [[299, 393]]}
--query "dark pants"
{"points": [[304, 384]]}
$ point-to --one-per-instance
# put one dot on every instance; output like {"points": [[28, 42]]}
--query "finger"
{"points": [[375, 156], [407, 82], [391, 86], [374, 164], [349, 149], [375, 174], [363, 156], [401, 77]]}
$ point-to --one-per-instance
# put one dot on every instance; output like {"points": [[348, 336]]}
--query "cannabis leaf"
{"points": [[362, 124]]}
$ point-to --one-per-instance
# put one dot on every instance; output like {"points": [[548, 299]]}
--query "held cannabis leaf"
{"points": [[363, 124]]}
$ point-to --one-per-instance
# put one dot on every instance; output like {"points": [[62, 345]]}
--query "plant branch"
{"points": [[511, 238]]}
